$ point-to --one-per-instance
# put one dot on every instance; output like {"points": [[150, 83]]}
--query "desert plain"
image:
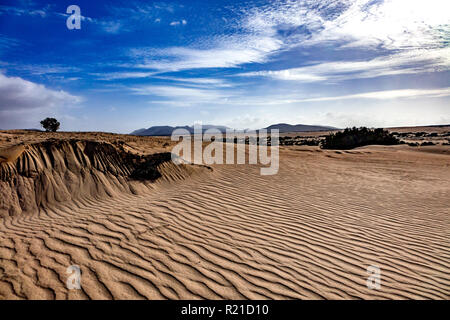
{"points": [[141, 227]]}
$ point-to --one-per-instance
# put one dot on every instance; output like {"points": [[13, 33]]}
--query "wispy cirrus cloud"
{"points": [[111, 26], [395, 27], [243, 43], [30, 9], [296, 99], [181, 96], [390, 24], [386, 95], [138, 14], [108, 76], [25, 10], [44, 69], [143, 11], [408, 62], [408, 37], [178, 23], [227, 52], [201, 82], [7, 43], [187, 96]]}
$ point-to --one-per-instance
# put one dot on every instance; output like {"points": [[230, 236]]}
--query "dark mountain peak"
{"points": [[167, 130], [284, 127]]}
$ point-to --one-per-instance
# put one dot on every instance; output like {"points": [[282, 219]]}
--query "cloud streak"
{"points": [[110, 76], [226, 53], [411, 62], [182, 96], [373, 95], [386, 95]]}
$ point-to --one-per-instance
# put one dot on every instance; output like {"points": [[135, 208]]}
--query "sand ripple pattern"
{"points": [[307, 233]]}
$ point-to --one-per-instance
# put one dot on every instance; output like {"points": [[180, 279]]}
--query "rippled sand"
{"points": [[309, 232]]}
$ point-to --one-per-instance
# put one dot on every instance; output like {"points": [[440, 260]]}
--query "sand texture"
{"points": [[225, 232]]}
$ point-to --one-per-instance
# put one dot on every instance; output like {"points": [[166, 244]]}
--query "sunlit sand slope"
{"points": [[309, 232]]}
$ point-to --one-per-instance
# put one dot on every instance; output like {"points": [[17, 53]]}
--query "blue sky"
{"points": [[244, 64]]}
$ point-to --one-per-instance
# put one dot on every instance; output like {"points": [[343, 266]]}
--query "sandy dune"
{"points": [[308, 232]]}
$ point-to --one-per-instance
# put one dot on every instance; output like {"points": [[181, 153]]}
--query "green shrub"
{"points": [[356, 137]]}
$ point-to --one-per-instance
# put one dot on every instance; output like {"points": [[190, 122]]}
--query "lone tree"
{"points": [[50, 124]]}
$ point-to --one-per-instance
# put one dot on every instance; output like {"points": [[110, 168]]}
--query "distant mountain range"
{"points": [[282, 127], [167, 130]]}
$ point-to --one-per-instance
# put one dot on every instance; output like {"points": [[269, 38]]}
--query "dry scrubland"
{"points": [[142, 228]]}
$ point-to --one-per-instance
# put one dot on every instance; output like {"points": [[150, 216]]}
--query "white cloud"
{"points": [[122, 75], [17, 93], [392, 24], [228, 52], [177, 23], [111, 26], [200, 82], [22, 11], [24, 102], [409, 62], [387, 95], [410, 27], [43, 69], [201, 96], [177, 92], [7, 43], [182, 96], [279, 100], [413, 31], [233, 98], [247, 43]]}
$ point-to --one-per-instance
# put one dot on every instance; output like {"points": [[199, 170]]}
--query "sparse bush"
{"points": [[427, 143], [50, 124], [357, 137], [306, 142], [287, 143]]}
